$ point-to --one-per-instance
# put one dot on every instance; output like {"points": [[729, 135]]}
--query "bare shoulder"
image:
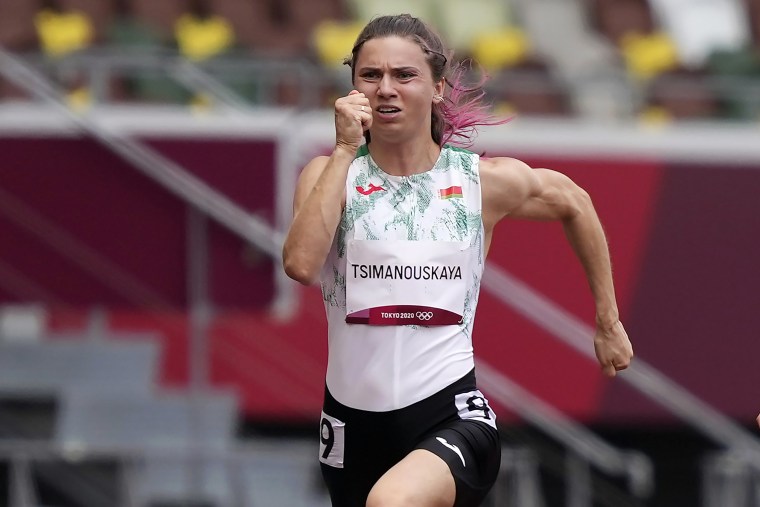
{"points": [[505, 168], [512, 188], [506, 183]]}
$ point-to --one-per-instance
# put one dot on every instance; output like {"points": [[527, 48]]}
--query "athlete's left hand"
{"points": [[613, 348]]}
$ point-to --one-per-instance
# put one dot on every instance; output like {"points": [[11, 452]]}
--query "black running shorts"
{"points": [[357, 446]]}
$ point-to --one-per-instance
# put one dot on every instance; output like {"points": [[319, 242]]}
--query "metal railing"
{"points": [[28, 459], [643, 377], [260, 78], [165, 76], [586, 448], [730, 478], [159, 168], [201, 198]]}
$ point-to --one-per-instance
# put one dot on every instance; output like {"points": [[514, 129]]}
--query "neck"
{"points": [[404, 159]]}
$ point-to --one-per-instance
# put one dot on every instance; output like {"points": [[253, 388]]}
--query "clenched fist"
{"points": [[353, 116]]}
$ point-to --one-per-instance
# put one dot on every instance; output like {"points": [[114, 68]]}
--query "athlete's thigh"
{"points": [[472, 451], [421, 479]]}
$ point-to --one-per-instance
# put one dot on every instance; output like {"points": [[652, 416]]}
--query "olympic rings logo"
{"points": [[424, 315]]}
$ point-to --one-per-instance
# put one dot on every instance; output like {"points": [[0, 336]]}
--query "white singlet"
{"points": [[401, 282]]}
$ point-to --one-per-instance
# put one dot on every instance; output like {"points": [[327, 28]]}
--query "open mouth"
{"points": [[387, 110]]}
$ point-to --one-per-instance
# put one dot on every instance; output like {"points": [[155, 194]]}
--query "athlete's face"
{"points": [[396, 77]]}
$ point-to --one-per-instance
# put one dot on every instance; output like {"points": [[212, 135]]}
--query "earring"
{"points": [[438, 99]]}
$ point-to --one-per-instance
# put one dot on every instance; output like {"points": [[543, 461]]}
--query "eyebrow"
{"points": [[407, 68]]}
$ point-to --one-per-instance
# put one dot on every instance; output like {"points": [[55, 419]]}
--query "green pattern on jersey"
{"points": [[409, 208]]}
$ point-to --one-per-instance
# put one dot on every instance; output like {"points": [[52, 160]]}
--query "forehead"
{"points": [[392, 52]]}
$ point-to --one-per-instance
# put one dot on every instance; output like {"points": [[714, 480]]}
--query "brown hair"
{"points": [[462, 109]]}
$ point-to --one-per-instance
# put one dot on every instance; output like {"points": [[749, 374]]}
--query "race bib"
{"points": [[331, 441], [474, 406], [405, 282]]}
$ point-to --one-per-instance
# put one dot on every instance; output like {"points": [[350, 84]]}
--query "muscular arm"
{"points": [[320, 193], [317, 208], [558, 198], [512, 189]]}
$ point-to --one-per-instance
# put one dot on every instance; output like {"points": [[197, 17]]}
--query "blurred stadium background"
{"points": [[153, 354]]}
